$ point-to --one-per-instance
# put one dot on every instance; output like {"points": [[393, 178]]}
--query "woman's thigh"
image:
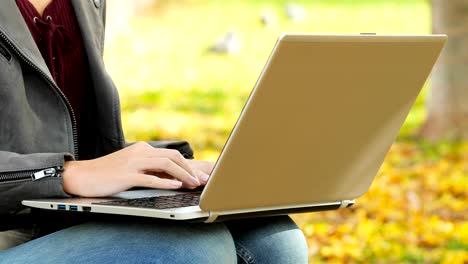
{"points": [[268, 240], [124, 242]]}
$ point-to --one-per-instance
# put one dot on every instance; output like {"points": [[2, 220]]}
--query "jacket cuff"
{"points": [[182, 146], [10, 162]]}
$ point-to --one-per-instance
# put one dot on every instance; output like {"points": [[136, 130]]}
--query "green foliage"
{"points": [[457, 245]]}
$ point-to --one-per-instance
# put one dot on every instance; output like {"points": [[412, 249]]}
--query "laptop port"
{"points": [[73, 208], [61, 207], [86, 209]]}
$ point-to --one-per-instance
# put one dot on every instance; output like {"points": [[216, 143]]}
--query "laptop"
{"points": [[311, 136]]}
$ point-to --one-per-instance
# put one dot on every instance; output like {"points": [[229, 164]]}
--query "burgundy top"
{"points": [[57, 35]]}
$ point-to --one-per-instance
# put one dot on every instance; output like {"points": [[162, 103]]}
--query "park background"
{"points": [[184, 69]]}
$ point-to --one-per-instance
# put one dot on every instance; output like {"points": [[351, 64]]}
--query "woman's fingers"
{"points": [[150, 181], [144, 150], [204, 166], [168, 166], [201, 169], [202, 176], [173, 155]]}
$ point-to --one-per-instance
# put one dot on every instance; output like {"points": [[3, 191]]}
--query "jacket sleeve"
{"points": [[17, 183], [182, 146]]}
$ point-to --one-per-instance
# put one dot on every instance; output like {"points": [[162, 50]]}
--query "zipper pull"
{"points": [[50, 172]]}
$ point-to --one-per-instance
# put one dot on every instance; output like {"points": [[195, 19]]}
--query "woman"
{"points": [[61, 136]]}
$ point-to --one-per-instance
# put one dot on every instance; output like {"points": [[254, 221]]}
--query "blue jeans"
{"points": [[260, 240]]}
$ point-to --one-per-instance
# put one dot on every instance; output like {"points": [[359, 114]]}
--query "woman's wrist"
{"points": [[68, 171]]}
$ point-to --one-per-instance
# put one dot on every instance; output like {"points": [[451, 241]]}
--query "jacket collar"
{"points": [[13, 26], [91, 24]]}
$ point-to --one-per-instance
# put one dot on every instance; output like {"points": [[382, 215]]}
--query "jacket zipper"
{"points": [[28, 175], [51, 82]]}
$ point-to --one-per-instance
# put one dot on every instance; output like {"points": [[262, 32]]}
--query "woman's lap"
{"points": [[268, 240], [263, 240]]}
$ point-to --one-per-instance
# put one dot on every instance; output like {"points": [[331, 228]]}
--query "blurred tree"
{"points": [[448, 103]]}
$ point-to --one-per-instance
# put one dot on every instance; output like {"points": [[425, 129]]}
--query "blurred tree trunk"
{"points": [[448, 102]]}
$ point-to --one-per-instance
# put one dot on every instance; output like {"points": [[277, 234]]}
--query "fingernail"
{"points": [[204, 177], [195, 181]]}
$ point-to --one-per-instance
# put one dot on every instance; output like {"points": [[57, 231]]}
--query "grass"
{"points": [[173, 88]]}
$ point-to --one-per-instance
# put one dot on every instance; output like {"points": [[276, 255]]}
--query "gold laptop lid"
{"points": [[320, 120]]}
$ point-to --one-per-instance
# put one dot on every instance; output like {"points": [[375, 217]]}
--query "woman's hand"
{"points": [[139, 165]]}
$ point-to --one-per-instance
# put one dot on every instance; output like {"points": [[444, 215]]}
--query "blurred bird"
{"points": [[230, 44], [267, 19], [295, 12]]}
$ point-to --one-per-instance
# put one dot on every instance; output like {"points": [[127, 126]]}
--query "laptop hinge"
{"points": [[211, 217], [345, 203]]}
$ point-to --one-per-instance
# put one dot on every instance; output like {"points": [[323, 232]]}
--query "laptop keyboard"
{"points": [[159, 202]]}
